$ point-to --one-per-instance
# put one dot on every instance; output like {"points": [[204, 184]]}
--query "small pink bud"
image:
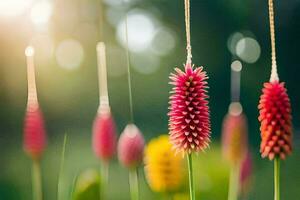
{"points": [[131, 146], [34, 132], [104, 136]]}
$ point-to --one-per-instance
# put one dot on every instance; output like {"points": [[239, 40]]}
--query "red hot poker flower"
{"points": [[131, 146], [234, 137], [34, 132], [104, 135], [276, 121], [189, 122]]}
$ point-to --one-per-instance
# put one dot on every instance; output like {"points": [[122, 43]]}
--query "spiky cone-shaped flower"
{"points": [[131, 147], [164, 170], [276, 121], [234, 137], [34, 132], [189, 118], [104, 135], [34, 141], [246, 175]]}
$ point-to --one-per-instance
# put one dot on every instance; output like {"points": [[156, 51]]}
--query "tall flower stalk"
{"points": [[34, 131], [189, 118], [275, 115], [131, 143], [104, 131], [235, 133]]}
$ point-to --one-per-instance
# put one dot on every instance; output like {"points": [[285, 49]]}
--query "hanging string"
{"points": [[128, 69], [188, 31], [102, 77], [32, 94], [101, 21], [236, 68], [274, 74]]}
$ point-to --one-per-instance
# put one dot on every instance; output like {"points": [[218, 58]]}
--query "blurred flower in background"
{"points": [[164, 170], [87, 185]]}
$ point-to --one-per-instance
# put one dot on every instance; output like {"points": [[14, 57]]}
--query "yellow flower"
{"points": [[163, 169]]}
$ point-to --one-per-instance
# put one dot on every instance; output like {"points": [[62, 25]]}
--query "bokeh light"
{"points": [[248, 50], [164, 41], [69, 54], [12, 8], [232, 42], [41, 12], [236, 65], [141, 31]]}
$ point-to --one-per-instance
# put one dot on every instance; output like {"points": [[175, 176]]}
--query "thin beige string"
{"points": [[128, 68], [32, 94], [274, 74], [188, 31], [102, 77]]}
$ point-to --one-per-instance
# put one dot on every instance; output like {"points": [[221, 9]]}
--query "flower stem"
{"points": [[60, 185], [234, 183], [104, 170], [36, 181], [277, 179], [134, 184], [191, 179]]}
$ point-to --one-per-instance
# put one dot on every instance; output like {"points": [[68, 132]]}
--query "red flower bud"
{"points": [[34, 132], [131, 146], [104, 136], [234, 137]]}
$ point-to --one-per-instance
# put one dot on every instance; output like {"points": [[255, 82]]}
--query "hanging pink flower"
{"points": [[275, 117], [34, 132], [189, 122], [131, 146], [234, 137], [104, 136]]}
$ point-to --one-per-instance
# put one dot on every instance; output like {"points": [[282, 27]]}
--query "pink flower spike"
{"points": [[131, 146], [104, 136], [34, 142], [34, 133], [189, 122], [235, 136]]}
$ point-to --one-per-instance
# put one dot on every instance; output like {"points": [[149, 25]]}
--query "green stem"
{"points": [[234, 183], [277, 179], [104, 179], [60, 185], [36, 181], [134, 184], [191, 179]]}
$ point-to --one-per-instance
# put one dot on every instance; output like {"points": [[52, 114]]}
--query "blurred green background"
{"points": [[64, 34]]}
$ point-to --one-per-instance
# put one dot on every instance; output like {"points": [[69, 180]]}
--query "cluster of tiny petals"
{"points": [[276, 121], [189, 118], [234, 137], [104, 136], [34, 132], [164, 170], [131, 147]]}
